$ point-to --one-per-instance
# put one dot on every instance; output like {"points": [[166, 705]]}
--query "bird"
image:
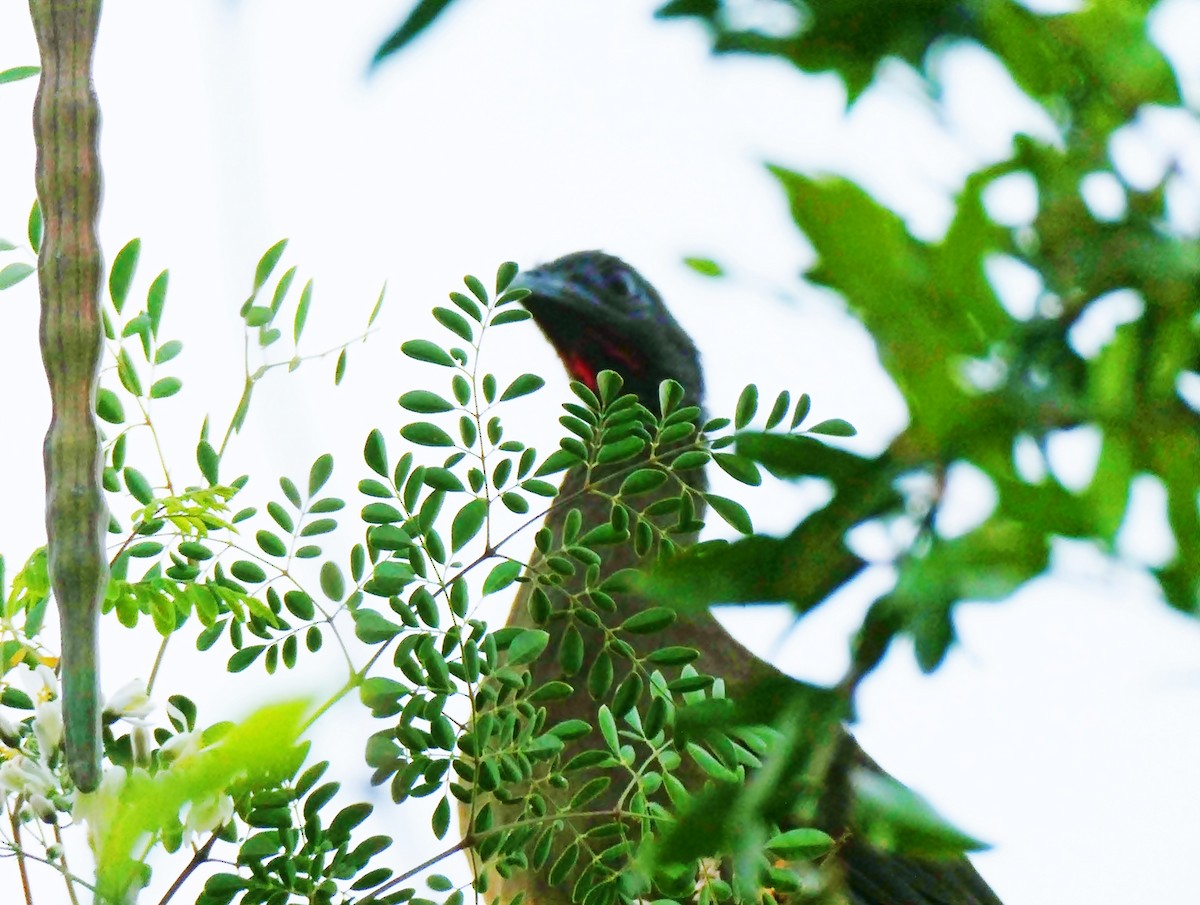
{"points": [[600, 314]]}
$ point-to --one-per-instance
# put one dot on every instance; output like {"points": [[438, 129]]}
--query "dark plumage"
{"points": [[600, 313]]}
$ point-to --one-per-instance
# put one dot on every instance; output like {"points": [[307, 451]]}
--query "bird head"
{"points": [[601, 314]]}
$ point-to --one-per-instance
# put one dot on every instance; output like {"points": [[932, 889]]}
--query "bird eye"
{"points": [[621, 283]]}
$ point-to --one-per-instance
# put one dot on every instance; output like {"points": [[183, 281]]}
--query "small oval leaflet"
{"points": [[522, 386], [802, 844], [651, 620], [424, 402], [527, 646], [467, 522], [424, 350], [333, 585], [423, 433], [501, 576], [834, 427]]}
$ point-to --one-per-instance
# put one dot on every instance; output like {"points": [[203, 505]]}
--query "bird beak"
{"points": [[543, 288]]}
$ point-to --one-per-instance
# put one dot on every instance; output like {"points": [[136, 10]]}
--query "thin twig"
{"points": [[66, 870], [20, 853], [200, 856]]}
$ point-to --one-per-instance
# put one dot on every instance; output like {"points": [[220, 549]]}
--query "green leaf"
{"points": [[339, 369], [372, 628], [302, 307], [11, 274], [443, 479], [834, 427], [706, 267], [290, 491], [608, 728], [501, 576], [333, 585], [733, 512], [467, 304], [477, 288], [423, 433], [505, 274], [570, 651], [267, 263], [522, 386], [674, 656], [803, 844], [281, 290], [378, 305], [35, 228], [709, 764], [527, 646], [454, 322], [375, 453], [381, 514], [121, 275], [467, 522], [782, 403], [249, 572], [138, 486], [270, 543], [600, 675], [424, 350], [424, 402], [747, 405], [16, 73], [739, 468], [650, 620], [620, 450], [167, 351], [897, 819], [321, 469], [441, 818], [156, 298], [803, 406], [164, 387], [127, 373], [511, 316], [419, 18]]}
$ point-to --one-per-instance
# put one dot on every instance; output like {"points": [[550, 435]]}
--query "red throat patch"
{"points": [[579, 369], [613, 354]]}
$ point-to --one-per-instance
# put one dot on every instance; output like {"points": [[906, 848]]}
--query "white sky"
{"points": [[1065, 726]]}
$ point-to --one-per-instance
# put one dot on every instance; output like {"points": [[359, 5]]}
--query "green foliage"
{"points": [[434, 529], [642, 797]]}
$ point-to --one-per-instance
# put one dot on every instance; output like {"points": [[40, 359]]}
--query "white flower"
{"points": [[43, 808], [177, 746], [48, 727], [10, 732], [27, 776], [206, 815], [96, 808], [41, 683], [130, 702]]}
